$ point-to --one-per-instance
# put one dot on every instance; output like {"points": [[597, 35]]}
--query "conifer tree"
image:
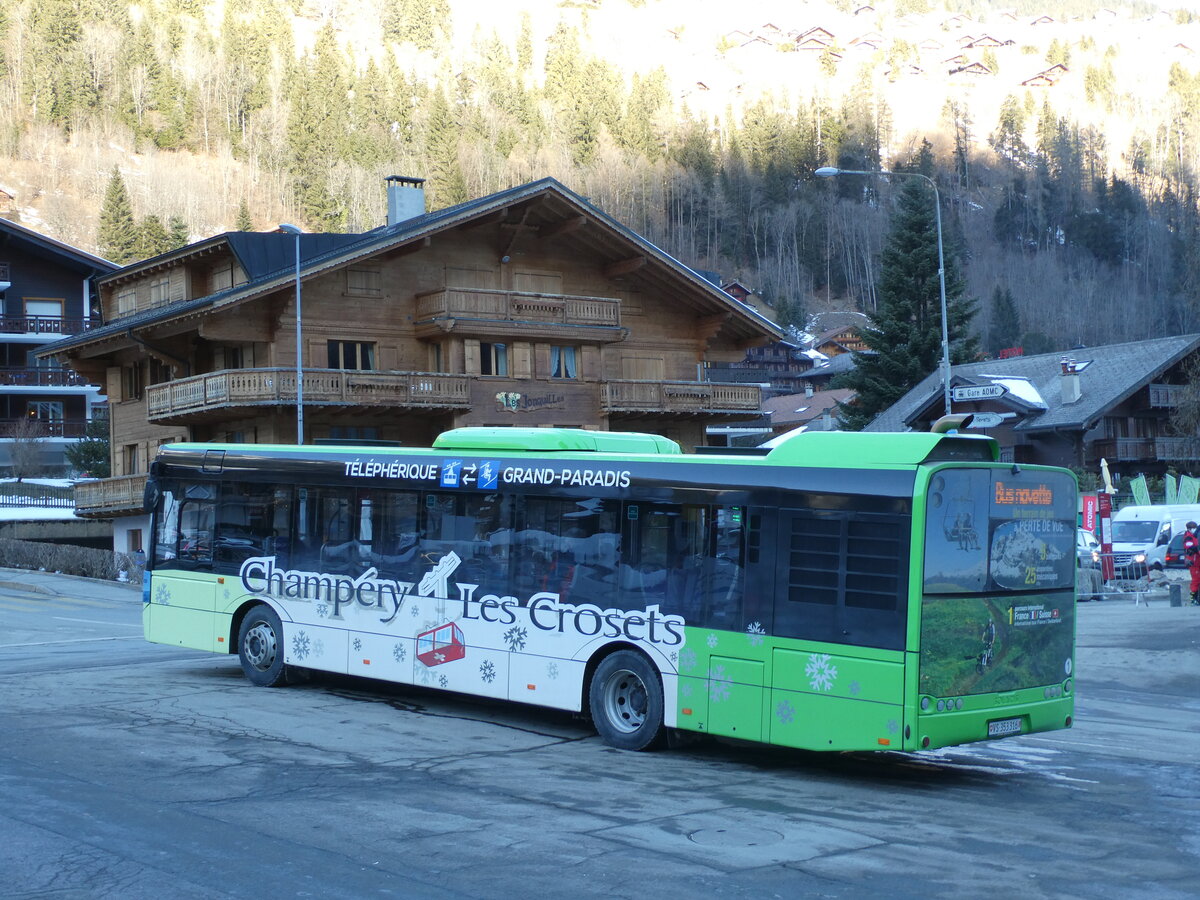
{"points": [[244, 222], [906, 326], [117, 234], [153, 237], [1005, 326], [179, 234]]}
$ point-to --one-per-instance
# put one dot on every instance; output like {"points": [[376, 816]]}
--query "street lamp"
{"points": [[292, 229], [833, 171]]}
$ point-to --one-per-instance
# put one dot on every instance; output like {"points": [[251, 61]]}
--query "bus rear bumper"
{"points": [[965, 726]]}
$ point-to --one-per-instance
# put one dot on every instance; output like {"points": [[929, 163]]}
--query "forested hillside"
{"points": [[1064, 135]]}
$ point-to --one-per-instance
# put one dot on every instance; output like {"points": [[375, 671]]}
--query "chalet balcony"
{"points": [[1147, 450], [45, 428], [36, 376], [108, 497], [232, 389], [48, 325], [681, 398], [503, 313]]}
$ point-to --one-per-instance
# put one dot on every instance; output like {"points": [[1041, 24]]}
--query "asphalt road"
{"points": [[134, 770]]}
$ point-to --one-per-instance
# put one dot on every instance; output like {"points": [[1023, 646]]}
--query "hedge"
{"points": [[68, 559]]}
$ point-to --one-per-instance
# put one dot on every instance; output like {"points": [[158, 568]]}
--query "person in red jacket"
{"points": [[1191, 552]]}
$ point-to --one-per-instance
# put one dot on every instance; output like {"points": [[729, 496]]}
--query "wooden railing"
{"points": [[110, 495], [253, 387], [517, 306], [1177, 448], [42, 324], [1124, 449], [680, 397], [34, 376], [58, 428]]}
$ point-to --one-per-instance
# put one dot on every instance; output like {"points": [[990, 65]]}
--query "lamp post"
{"points": [[834, 171], [292, 229]]}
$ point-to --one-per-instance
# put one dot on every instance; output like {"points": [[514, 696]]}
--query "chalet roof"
{"points": [[796, 409], [63, 254], [837, 365], [545, 207], [1112, 374]]}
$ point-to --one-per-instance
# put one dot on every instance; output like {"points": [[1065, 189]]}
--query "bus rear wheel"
{"points": [[260, 647], [626, 702]]}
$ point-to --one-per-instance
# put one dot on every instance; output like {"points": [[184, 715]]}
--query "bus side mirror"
{"points": [[151, 495]]}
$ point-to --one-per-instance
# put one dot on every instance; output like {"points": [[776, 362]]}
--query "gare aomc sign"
{"points": [[978, 392]]}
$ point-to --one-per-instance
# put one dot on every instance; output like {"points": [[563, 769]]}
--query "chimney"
{"points": [[808, 389], [1070, 386], [405, 198]]}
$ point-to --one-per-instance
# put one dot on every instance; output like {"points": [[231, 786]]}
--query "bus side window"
{"points": [[196, 519], [245, 524], [166, 531]]}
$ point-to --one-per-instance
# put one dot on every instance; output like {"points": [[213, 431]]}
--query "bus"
{"points": [[837, 591]]}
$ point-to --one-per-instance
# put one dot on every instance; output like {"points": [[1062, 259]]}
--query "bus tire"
{"points": [[626, 701], [260, 647]]}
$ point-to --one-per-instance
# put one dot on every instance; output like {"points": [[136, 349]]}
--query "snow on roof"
{"points": [[1021, 388]]}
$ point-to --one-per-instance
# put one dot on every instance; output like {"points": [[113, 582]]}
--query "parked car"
{"points": [[1087, 549], [1174, 558]]}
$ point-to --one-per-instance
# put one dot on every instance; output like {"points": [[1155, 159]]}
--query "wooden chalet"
{"points": [[527, 307]]}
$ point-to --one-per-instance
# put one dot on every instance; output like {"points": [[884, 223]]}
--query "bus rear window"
{"points": [[993, 530]]}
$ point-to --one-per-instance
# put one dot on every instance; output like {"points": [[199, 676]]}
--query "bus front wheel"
{"points": [[260, 647], [626, 701]]}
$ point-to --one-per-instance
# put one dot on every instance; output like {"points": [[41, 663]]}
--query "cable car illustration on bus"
{"points": [[441, 645], [958, 523]]}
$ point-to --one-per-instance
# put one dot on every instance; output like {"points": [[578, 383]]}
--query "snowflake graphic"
{"points": [[855, 687], [228, 592], [426, 675], [552, 670], [755, 632], [443, 681], [893, 726], [786, 712], [399, 652], [318, 647], [416, 611], [712, 640], [686, 690], [674, 654], [687, 659], [322, 610], [719, 684], [357, 644], [515, 638], [487, 671], [162, 596], [301, 645], [821, 672]]}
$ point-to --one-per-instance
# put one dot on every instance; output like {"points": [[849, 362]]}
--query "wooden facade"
{"points": [[529, 307]]}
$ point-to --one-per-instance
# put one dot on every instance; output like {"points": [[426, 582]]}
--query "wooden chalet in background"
{"points": [[527, 307], [1112, 402]]}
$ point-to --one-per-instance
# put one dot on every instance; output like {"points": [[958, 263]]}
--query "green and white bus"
{"points": [[837, 592]]}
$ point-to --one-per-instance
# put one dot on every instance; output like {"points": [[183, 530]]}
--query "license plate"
{"points": [[1002, 727]]}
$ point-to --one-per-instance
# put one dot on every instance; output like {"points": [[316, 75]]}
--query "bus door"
{"points": [[182, 576], [841, 584]]}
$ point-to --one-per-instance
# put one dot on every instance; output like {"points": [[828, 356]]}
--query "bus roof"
{"points": [[821, 449]]}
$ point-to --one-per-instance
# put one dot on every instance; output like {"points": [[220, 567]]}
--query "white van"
{"points": [[1140, 535]]}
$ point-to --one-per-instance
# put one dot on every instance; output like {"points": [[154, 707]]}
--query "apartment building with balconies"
{"points": [[47, 289], [527, 307]]}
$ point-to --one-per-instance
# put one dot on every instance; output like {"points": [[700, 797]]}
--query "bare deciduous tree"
{"points": [[25, 437]]}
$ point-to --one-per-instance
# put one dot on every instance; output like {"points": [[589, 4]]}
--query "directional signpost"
{"points": [[986, 420], [979, 392]]}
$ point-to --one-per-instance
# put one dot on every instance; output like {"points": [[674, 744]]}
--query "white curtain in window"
{"points": [[569, 362]]}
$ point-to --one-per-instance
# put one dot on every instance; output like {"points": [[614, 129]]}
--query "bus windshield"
{"points": [[999, 576]]}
